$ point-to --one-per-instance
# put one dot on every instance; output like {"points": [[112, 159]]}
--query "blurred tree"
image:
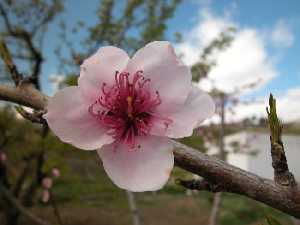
{"points": [[126, 24], [24, 34]]}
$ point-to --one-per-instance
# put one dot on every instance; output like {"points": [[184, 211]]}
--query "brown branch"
{"points": [[9, 197], [35, 117], [22, 177], [213, 170], [55, 208], [25, 94], [236, 180], [11, 67], [282, 175], [27, 38]]}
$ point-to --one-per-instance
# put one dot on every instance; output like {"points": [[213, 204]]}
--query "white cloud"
{"points": [[245, 61], [288, 106], [282, 37], [205, 31], [55, 81]]}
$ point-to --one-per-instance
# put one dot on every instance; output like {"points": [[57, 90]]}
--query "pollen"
{"points": [[129, 100], [128, 107]]}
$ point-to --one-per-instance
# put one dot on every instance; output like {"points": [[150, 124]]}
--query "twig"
{"points": [[11, 67], [8, 196], [55, 208], [282, 175], [35, 117], [27, 37]]}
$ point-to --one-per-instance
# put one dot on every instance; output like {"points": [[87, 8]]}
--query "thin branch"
{"points": [[282, 175], [55, 208], [11, 67], [35, 117], [27, 38], [9, 197], [6, 20], [22, 177], [25, 94]]}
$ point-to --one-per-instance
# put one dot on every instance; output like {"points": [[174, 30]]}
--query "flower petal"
{"points": [[143, 169], [69, 119], [101, 67], [168, 75], [198, 107]]}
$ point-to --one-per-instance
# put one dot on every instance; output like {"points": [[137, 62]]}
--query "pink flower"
{"points": [[127, 109], [45, 196], [3, 157], [47, 183], [55, 172]]}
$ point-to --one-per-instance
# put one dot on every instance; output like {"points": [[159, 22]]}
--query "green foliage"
{"points": [[147, 18], [272, 221], [194, 141], [237, 210], [71, 80], [23, 144]]}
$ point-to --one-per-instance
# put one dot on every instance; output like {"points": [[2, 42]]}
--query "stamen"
{"points": [[127, 108]]}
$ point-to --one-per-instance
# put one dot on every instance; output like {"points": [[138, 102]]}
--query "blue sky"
{"points": [[272, 27]]}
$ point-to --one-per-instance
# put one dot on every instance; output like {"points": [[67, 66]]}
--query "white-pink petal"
{"points": [[145, 169], [69, 119], [168, 75], [185, 118], [101, 68]]}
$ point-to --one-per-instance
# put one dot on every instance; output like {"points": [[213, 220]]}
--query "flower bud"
{"points": [[55, 172], [47, 183], [45, 196]]}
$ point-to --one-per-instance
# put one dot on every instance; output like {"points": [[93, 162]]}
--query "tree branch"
{"points": [[282, 175], [11, 67], [25, 94], [27, 38], [9, 197], [236, 180], [213, 170]]}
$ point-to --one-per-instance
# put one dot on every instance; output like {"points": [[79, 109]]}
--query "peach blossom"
{"points": [[128, 109]]}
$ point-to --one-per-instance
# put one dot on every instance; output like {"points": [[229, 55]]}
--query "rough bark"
{"points": [[25, 95], [235, 180]]}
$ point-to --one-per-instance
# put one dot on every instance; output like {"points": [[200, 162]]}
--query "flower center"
{"points": [[127, 108]]}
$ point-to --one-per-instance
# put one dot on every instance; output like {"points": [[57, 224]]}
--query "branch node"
{"points": [[35, 117]]}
